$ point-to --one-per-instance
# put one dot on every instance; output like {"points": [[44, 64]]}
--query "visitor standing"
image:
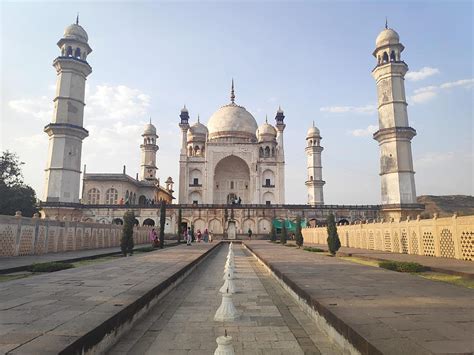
{"points": [[205, 236], [153, 238], [210, 237], [189, 238], [249, 232], [199, 236]]}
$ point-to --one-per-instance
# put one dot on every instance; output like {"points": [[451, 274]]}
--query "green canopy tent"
{"points": [[290, 226]]}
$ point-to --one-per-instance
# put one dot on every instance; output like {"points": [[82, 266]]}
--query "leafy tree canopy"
{"points": [[14, 194]]}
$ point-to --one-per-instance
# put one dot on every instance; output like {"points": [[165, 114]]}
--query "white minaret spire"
{"points": [[148, 157], [394, 134], [315, 181], [66, 131]]}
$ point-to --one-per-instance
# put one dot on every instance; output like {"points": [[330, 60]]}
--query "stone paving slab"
{"points": [[18, 263], [49, 313], [378, 311], [447, 265], [183, 322]]}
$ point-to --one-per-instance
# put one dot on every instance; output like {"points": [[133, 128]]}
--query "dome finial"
{"points": [[77, 19], [386, 22], [266, 118], [198, 118], [313, 123], [232, 94], [150, 119]]}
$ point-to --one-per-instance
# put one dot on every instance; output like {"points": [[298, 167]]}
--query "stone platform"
{"points": [[378, 311], [183, 323], [446, 265], [73, 310]]}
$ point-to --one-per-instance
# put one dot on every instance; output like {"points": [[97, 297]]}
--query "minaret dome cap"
{"points": [[149, 129], [313, 132], [387, 37], [75, 31]]}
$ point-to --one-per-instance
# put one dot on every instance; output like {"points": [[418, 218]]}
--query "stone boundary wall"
{"points": [[34, 236], [451, 237]]}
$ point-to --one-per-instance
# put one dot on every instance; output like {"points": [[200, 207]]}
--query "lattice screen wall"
{"points": [[451, 237], [34, 236]]}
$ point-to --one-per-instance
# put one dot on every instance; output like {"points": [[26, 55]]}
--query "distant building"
{"points": [[232, 171], [232, 161]]}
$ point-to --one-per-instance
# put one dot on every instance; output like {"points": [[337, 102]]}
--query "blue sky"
{"points": [[312, 58]]}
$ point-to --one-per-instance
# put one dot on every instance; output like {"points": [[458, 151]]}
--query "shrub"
{"points": [[290, 245], [402, 266], [180, 226], [284, 234], [144, 249], [162, 223], [314, 250], [333, 238], [50, 267], [126, 244], [273, 235], [298, 234]]}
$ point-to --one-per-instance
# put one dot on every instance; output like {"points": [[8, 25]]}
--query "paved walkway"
{"points": [[49, 313], [18, 263], [378, 310], [452, 266], [183, 322]]}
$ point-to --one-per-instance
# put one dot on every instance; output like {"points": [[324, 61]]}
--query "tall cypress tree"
{"points": [[284, 233], [333, 238], [126, 244], [180, 227], [273, 234], [298, 233], [162, 223]]}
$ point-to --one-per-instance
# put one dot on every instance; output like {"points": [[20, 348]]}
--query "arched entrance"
{"points": [[231, 179], [149, 222]]}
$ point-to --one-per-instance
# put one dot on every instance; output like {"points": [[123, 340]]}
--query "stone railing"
{"points": [[34, 236], [451, 237]]}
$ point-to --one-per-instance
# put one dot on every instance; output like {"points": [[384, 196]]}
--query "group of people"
{"points": [[205, 237], [155, 241]]}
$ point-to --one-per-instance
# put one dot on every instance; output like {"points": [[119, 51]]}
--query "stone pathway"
{"points": [[17, 263], [183, 322], [47, 313], [449, 265], [377, 310]]}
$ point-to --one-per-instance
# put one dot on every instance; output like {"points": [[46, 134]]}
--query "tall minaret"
{"points": [[66, 131], [315, 181], [183, 156], [394, 134], [148, 157], [280, 126]]}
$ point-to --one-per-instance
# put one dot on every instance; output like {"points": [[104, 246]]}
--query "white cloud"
{"points": [[421, 74], [104, 102], [364, 132], [427, 93], [367, 109], [40, 108], [434, 158]]}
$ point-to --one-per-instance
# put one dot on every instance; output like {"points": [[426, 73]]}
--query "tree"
{"points": [[298, 234], [14, 194], [192, 232], [284, 233], [273, 234], [126, 243], [333, 239], [180, 226], [162, 223]]}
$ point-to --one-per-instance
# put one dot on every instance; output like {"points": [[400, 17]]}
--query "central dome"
{"points": [[232, 121]]}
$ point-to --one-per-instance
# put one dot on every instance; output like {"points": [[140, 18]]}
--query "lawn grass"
{"points": [[49, 266], [452, 279], [314, 250], [360, 260], [14, 276]]}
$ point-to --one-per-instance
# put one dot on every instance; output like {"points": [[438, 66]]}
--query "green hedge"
{"points": [[402, 266], [50, 267]]}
